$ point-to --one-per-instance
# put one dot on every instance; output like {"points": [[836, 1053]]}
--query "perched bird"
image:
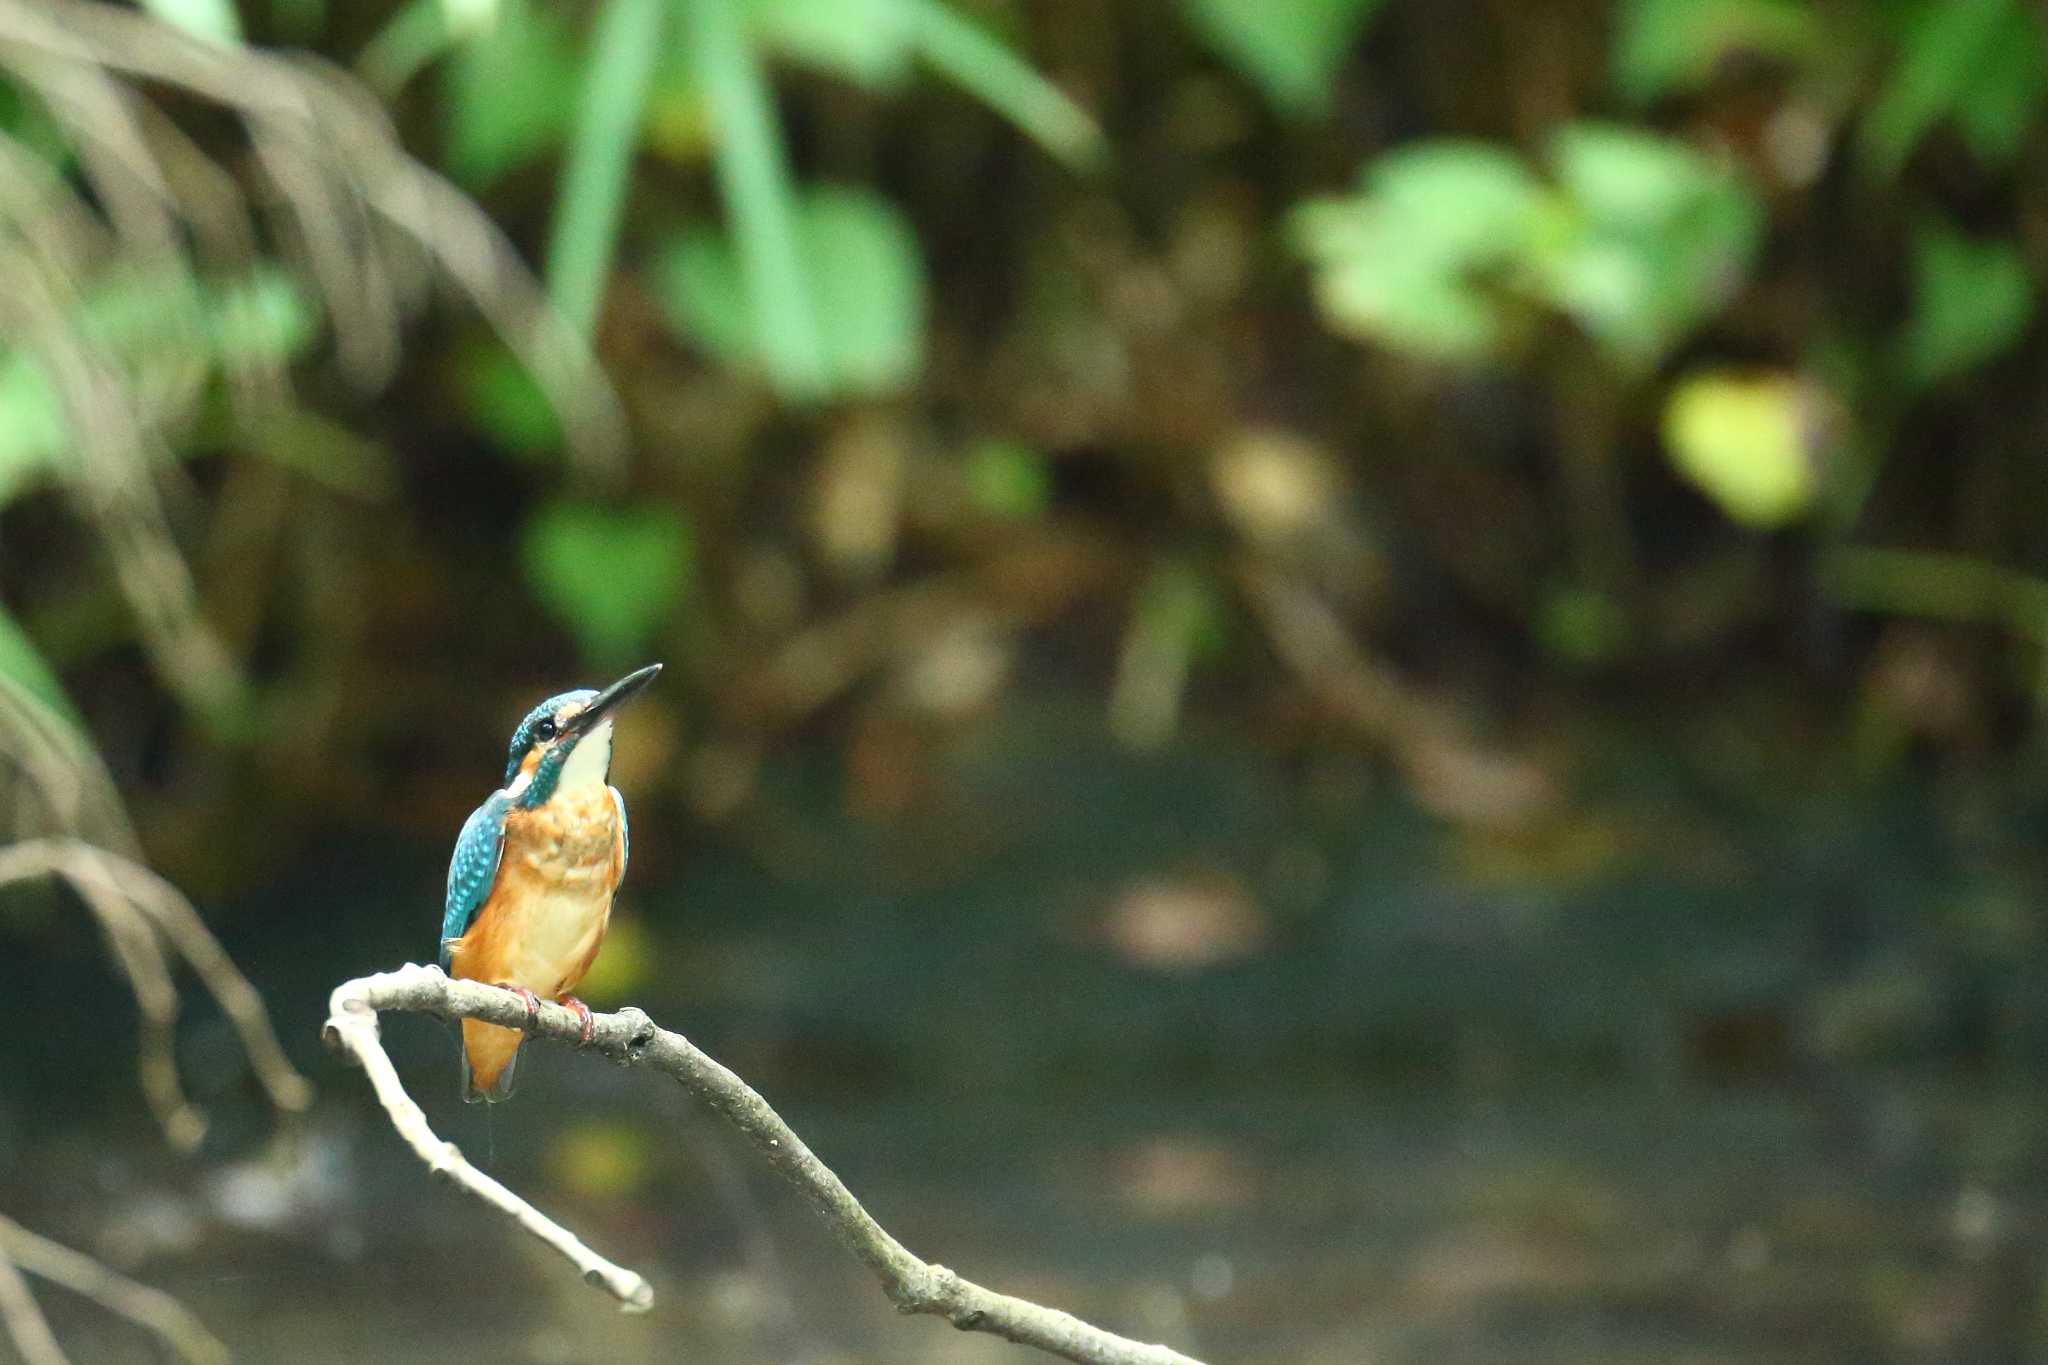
{"points": [[530, 887]]}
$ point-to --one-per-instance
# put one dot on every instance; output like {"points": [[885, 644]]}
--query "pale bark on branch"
{"points": [[150, 1309], [630, 1038]]}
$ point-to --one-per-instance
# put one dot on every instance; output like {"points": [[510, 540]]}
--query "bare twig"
{"points": [[352, 1027], [82, 1275], [26, 1326], [1446, 770], [59, 779], [631, 1038], [140, 913], [343, 177], [180, 925]]}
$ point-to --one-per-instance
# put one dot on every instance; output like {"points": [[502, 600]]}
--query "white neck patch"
{"points": [[590, 762]]}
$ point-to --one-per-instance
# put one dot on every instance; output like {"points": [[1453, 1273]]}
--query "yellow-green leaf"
{"points": [[1745, 440]]}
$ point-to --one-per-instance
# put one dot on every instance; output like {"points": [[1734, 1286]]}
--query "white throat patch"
{"points": [[590, 762]]}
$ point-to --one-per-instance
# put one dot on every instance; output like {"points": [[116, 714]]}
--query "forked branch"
{"points": [[630, 1038]]}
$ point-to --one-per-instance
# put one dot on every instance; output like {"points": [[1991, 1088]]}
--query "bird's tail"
{"points": [[489, 1054]]}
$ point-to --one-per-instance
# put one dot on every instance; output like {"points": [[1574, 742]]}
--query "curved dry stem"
{"points": [[61, 769], [26, 1326], [338, 168], [180, 924], [151, 1309], [631, 1038], [117, 442], [140, 913], [141, 960], [352, 1028]]}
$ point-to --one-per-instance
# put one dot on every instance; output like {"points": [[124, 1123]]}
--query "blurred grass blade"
{"points": [[968, 55], [616, 79], [753, 176], [214, 20], [1938, 586], [22, 666], [421, 33], [414, 38]]}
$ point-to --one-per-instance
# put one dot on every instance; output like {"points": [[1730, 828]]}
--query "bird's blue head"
{"points": [[550, 737]]}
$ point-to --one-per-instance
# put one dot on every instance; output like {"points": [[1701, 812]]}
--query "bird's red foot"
{"points": [[532, 1001], [583, 1013]]}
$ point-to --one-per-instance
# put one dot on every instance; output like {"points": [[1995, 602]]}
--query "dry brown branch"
{"points": [[148, 1308], [352, 1028], [630, 1038], [141, 914], [117, 438], [60, 782], [1446, 770], [26, 1326]]}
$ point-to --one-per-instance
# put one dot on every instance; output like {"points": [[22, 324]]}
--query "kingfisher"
{"points": [[530, 886]]}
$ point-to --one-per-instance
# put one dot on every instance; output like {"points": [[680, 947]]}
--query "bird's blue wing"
{"points": [[474, 868]]}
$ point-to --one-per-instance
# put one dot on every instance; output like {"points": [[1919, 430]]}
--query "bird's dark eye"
{"points": [[545, 729]]}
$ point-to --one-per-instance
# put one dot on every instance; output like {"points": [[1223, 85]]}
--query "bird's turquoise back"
{"points": [[474, 868]]}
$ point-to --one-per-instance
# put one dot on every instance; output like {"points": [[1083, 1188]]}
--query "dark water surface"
{"points": [[1266, 1066]]}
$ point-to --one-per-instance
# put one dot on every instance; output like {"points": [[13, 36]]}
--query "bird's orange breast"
{"points": [[545, 918]]}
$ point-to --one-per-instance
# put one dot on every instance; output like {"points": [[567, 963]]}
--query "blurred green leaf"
{"points": [[1666, 47], [2006, 95], [502, 399], [1178, 618], [1292, 49], [978, 63], [262, 316], [1981, 61], [1462, 203], [22, 666], [214, 20], [595, 177], [610, 576], [1404, 262], [1582, 626], [1745, 441], [145, 321], [1971, 302], [1181, 602], [1007, 479], [1657, 237], [867, 41], [862, 280], [33, 430], [511, 92], [1627, 179]]}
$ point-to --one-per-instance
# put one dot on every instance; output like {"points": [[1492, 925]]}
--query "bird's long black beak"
{"points": [[612, 697]]}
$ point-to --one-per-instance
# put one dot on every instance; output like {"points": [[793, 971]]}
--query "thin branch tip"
{"points": [[629, 1037]]}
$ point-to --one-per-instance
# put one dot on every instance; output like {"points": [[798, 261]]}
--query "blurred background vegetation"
{"points": [[1346, 542]]}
